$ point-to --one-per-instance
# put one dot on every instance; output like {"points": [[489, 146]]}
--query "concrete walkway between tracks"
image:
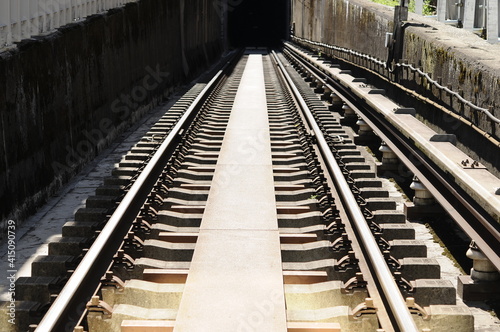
{"points": [[235, 281]]}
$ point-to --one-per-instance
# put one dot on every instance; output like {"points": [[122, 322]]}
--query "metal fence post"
{"points": [[419, 7], [469, 12], [492, 25], [441, 10], [24, 17], [5, 35], [15, 20], [34, 16]]}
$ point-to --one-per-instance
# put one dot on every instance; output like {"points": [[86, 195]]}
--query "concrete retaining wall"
{"points": [[359, 25], [66, 95], [460, 59]]}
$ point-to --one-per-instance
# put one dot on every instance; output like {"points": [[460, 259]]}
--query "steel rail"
{"points": [[473, 220], [390, 289], [385, 320], [66, 310]]}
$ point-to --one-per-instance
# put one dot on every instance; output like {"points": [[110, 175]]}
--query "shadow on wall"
{"points": [[64, 96]]}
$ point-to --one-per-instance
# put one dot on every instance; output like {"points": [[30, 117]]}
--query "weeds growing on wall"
{"points": [[429, 6]]}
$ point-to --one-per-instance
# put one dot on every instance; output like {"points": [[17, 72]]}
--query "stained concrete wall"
{"points": [[66, 95], [359, 25], [459, 58]]}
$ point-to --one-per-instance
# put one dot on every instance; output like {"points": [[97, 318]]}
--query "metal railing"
{"points": [[480, 16], [21, 19], [383, 64]]}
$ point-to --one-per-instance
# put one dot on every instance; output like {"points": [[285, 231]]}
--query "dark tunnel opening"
{"points": [[257, 22]]}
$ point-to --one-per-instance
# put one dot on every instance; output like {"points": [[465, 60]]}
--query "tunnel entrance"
{"points": [[257, 22]]}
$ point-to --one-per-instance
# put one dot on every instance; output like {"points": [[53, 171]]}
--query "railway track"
{"points": [[248, 207]]}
